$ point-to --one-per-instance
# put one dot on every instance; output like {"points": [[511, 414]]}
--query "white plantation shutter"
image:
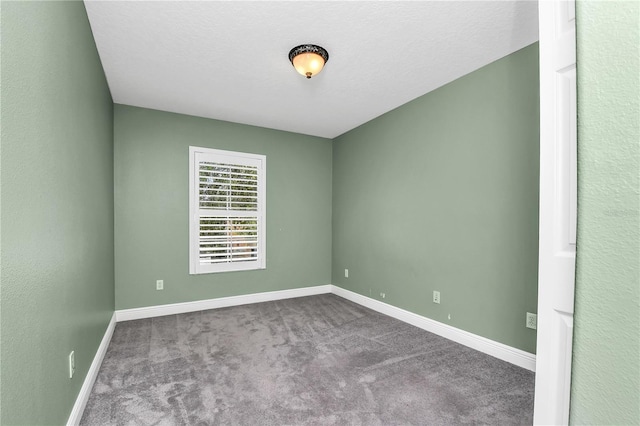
{"points": [[227, 205]]}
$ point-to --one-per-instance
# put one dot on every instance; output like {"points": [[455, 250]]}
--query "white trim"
{"points": [[92, 374], [222, 302], [499, 350], [193, 228], [557, 211]]}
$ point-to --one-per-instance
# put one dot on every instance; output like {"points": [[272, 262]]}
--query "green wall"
{"points": [[606, 351], [463, 158], [57, 208], [442, 194], [152, 204]]}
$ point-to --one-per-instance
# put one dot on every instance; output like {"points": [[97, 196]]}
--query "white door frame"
{"points": [[558, 211]]}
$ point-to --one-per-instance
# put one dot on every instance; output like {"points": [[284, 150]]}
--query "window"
{"points": [[226, 211]]}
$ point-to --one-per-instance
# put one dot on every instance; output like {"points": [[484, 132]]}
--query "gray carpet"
{"points": [[318, 360]]}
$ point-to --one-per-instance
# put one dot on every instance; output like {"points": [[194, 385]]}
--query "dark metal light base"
{"points": [[309, 48]]}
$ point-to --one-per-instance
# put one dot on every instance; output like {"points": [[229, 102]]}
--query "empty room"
{"points": [[319, 212]]}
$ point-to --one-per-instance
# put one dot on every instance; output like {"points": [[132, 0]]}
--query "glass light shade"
{"points": [[308, 64]]}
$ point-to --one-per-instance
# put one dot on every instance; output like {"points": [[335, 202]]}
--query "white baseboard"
{"points": [[92, 374], [222, 302], [499, 350]]}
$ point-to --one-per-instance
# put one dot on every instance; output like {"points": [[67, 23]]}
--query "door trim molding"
{"points": [[558, 211]]}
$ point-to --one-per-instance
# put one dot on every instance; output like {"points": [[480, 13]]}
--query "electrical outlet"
{"points": [[72, 364], [436, 297], [346, 273], [383, 295], [159, 284], [532, 320]]}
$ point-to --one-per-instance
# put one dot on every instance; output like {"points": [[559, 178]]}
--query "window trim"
{"points": [[195, 268]]}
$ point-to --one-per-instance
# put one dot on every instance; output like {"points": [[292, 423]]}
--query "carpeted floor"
{"points": [[318, 360]]}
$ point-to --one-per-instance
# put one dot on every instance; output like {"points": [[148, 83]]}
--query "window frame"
{"points": [[225, 157]]}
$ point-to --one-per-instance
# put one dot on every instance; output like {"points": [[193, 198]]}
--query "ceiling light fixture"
{"points": [[308, 59]]}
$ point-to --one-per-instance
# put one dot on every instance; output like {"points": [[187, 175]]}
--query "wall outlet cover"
{"points": [[346, 273], [159, 284], [72, 364], [532, 321], [436, 297]]}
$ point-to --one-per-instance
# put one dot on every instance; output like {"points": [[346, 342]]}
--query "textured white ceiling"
{"points": [[228, 60]]}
